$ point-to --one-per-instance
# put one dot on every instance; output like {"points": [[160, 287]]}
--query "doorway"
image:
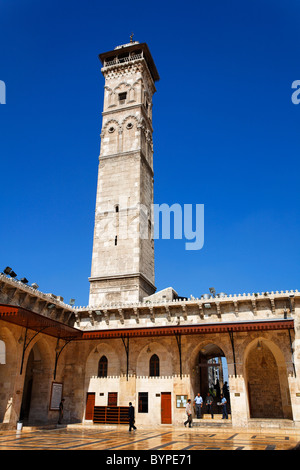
{"points": [[166, 408], [90, 404], [211, 375]]}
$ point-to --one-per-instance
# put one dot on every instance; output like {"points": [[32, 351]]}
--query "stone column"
{"points": [[294, 382]]}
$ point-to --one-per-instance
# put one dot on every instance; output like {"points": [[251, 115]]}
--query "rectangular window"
{"points": [[143, 402], [122, 97], [112, 399]]}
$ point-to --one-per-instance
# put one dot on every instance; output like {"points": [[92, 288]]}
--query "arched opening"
{"points": [[102, 367], [27, 390], [211, 375], [36, 390], [154, 366], [8, 368], [268, 391]]}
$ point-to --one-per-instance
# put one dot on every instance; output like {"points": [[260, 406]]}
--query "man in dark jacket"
{"points": [[209, 404], [61, 411], [131, 417]]}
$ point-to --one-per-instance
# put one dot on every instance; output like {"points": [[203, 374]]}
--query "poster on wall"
{"points": [[181, 401], [56, 395]]}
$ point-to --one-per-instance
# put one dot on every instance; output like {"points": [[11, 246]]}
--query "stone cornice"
{"points": [[265, 306], [119, 69], [135, 153], [122, 276], [14, 292]]}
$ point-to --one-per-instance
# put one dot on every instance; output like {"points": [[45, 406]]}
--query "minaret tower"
{"points": [[123, 249]]}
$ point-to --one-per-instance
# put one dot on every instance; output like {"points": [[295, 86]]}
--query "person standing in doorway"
{"points": [[224, 407], [131, 417], [226, 391], [198, 403], [61, 411], [188, 411], [209, 404]]}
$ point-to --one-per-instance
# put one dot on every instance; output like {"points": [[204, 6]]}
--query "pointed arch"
{"points": [[102, 366], [110, 123], [154, 366], [110, 137], [266, 375]]}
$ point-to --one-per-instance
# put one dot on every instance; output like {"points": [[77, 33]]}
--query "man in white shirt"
{"points": [[188, 410], [224, 407], [198, 403]]}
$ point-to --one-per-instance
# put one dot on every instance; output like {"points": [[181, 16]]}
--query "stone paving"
{"points": [[155, 439]]}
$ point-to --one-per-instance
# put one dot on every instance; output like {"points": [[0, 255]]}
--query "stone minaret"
{"points": [[123, 249]]}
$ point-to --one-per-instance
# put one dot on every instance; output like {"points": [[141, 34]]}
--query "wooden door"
{"points": [[90, 403], [166, 408], [112, 399]]}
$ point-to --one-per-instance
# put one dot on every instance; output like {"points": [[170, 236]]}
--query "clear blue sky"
{"points": [[226, 135]]}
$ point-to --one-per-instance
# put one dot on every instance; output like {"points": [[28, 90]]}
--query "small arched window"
{"points": [[102, 367], [154, 366]]}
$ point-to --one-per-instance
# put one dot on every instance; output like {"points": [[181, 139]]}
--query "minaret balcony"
{"points": [[122, 59]]}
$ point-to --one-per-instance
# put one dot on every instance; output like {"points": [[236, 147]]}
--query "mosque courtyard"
{"points": [[155, 439]]}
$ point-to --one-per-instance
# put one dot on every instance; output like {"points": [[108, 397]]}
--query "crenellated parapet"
{"points": [[156, 312], [164, 312]]}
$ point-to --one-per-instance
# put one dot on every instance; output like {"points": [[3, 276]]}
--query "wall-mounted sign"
{"points": [[181, 401], [56, 395]]}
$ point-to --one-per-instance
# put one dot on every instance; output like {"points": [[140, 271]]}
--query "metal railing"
{"points": [[123, 60]]}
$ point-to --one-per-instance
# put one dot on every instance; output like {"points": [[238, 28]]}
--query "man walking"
{"points": [[198, 403], [188, 411], [131, 417]]}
